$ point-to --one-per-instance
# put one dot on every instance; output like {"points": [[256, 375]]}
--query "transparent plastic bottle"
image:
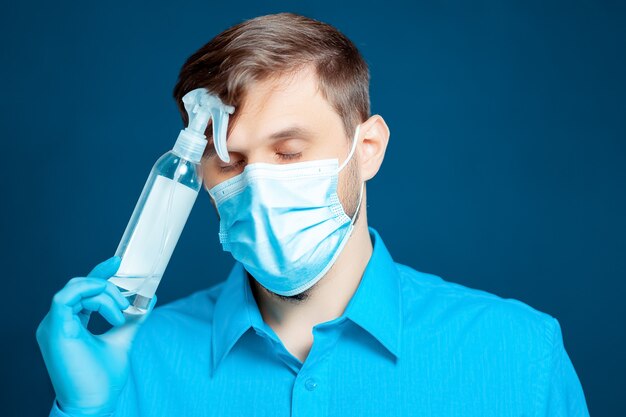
{"points": [[155, 226], [166, 201]]}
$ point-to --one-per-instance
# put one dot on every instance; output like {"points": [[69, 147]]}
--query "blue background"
{"points": [[506, 168]]}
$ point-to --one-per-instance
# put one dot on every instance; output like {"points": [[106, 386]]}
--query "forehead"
{"points": [[282, 102]]}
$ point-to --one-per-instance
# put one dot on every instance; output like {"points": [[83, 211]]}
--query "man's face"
{"points": [[283, 121]]}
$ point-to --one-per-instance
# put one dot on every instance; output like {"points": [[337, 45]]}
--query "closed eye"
{"points": [[232, 167], [288, 156]]}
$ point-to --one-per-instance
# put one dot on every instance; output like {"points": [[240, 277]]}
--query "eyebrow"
{"points": [[291, 132]]}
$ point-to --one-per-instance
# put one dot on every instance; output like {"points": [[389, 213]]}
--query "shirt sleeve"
{"points": [[564, 394]]}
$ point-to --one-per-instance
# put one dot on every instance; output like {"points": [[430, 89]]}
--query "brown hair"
{"points": [[273, 45]]}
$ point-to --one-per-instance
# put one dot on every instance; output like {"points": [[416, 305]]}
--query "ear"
{"points": [[373, 138]]}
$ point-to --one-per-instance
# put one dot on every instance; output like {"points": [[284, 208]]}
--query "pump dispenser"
{"points": [[166, 201], [202, 107]]}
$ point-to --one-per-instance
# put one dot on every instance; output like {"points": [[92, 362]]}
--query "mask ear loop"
{"points": [[354, 141], [343, 165], [358, 206]]}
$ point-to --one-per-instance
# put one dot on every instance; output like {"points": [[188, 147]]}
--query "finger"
{"points": [[106, 269], [124, 335], [76, 289], [105, 305], [121, 302], [116, 294], [84, 317]]}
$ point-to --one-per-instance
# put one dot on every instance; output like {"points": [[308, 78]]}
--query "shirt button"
{"points": [[310, 384]]}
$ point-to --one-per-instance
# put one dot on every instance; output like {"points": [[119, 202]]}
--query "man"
{"points": [[315, 317]]}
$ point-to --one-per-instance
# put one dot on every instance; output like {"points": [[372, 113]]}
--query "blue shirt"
{"points": [[408, 343]]}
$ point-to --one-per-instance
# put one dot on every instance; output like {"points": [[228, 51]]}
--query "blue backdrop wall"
{"points": [[506, 168]]}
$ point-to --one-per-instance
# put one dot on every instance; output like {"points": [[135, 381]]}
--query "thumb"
{"points": [[106, 269]]}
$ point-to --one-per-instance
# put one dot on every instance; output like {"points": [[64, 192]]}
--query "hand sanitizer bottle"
{"points": [[166, 201]]}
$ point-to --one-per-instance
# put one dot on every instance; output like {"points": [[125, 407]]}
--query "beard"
{"points": [[349, 189]]}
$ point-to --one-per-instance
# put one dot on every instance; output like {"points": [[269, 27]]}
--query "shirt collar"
{"points": [[375, 306], [235, 312]]}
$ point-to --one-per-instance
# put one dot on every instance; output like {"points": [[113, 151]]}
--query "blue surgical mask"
{"points": [[284, 222]]}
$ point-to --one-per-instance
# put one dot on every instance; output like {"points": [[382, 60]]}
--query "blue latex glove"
{"points": [[88, 371]]}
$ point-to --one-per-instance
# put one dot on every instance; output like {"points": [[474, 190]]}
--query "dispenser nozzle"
{"points": [[202, 106]]}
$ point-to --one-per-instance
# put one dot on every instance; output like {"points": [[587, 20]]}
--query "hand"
{"points": [[88, 371]]}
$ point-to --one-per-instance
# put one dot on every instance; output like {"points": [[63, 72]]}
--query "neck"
{"points": [[292, 320]]}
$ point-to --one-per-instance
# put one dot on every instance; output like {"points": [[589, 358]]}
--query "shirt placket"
{"points": [[310, 393], [311, 389]]}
